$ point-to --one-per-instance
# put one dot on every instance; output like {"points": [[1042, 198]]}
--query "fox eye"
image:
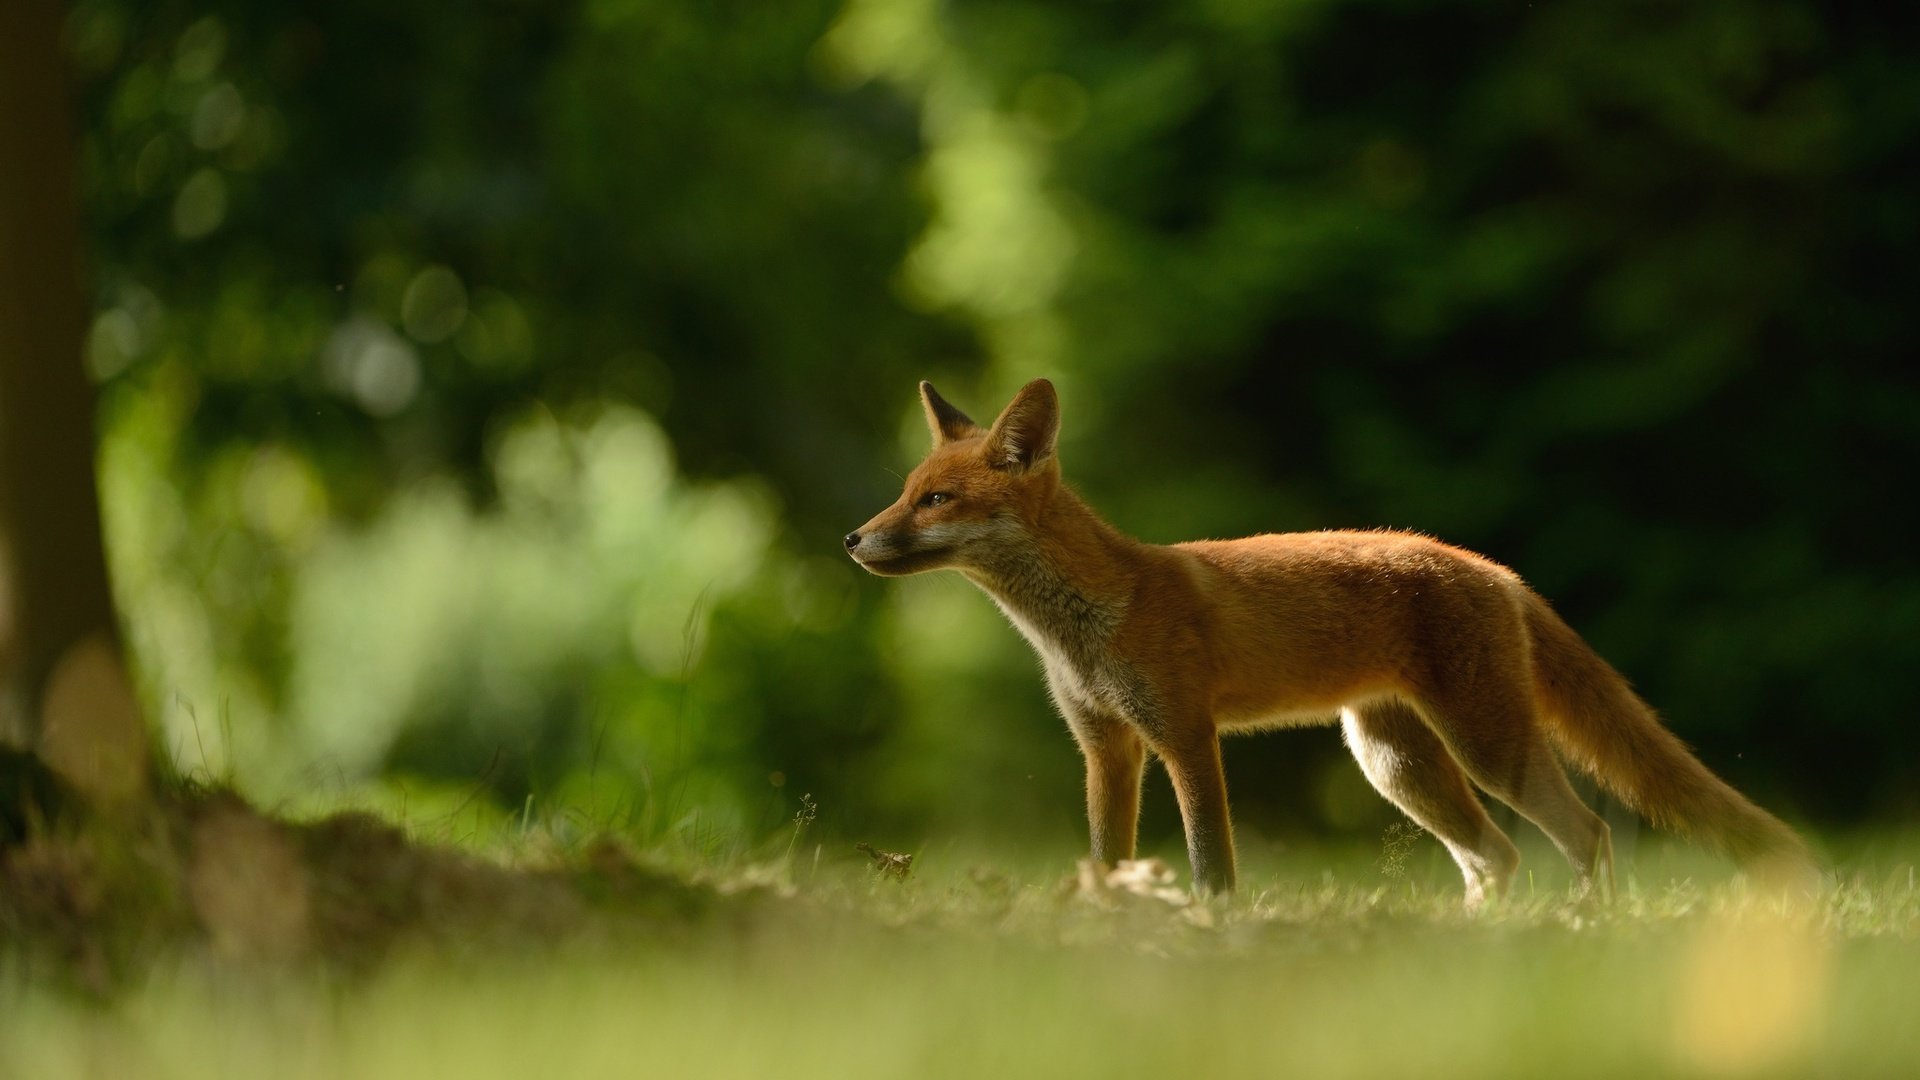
{"points": [[935, 499]]}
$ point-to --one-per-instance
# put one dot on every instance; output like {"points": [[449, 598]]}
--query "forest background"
{"points": [[485, 388]]}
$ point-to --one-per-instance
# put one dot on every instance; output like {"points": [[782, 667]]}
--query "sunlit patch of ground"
{"points": [[591, 961]]}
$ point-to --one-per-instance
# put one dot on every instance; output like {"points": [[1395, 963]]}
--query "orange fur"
{"points": [[1444, 669]]}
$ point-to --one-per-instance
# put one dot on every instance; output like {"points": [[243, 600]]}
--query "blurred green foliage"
{"points": [[486, 386]]}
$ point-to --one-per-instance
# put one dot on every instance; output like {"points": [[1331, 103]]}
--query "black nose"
{"points": [[853, 541]]}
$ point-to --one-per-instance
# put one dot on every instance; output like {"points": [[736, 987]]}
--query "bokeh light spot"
{"points": [[372, 365], [198, 53], [218, 118], [1750, 996], [434, 305], [201, 205], [112, 343], [496, 334]]}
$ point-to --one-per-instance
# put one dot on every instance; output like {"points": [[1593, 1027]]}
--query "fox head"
{"points": [[979, 492]]}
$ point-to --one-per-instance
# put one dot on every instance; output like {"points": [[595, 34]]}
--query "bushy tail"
{"points": [[1604, 728]]}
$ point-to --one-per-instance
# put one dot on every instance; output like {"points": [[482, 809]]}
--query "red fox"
{"points": [[1445, 671]]}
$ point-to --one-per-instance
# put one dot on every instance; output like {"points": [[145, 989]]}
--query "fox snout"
{"points": [[868, 543], [872, 548], [890, 549]]}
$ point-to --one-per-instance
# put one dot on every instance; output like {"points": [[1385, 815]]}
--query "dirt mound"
{"points": [[93, 902]]}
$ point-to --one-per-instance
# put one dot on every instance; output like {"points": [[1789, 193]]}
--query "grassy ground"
{"points": [[1327, 964]]}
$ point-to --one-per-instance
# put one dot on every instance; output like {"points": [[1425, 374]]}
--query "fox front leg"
{"points": [[1115, 755], [1200, 784]]}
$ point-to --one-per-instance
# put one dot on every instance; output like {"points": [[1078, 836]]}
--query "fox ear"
{"points": [[1024, 434], [946, 422]]}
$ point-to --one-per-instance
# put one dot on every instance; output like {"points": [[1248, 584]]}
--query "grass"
{"points": [[1327, 963]]}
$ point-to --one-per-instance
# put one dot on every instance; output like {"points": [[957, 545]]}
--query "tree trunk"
{"points": [[64, 691]]}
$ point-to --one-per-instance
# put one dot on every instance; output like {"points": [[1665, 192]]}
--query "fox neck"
{"points": [[1065, 580]]}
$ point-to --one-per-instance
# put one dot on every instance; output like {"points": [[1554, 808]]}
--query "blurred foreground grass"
{"points": [[1325, 965]]}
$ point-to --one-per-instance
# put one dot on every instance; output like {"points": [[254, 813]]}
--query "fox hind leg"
{"points": [[1498, 742], [1407, 762]]}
